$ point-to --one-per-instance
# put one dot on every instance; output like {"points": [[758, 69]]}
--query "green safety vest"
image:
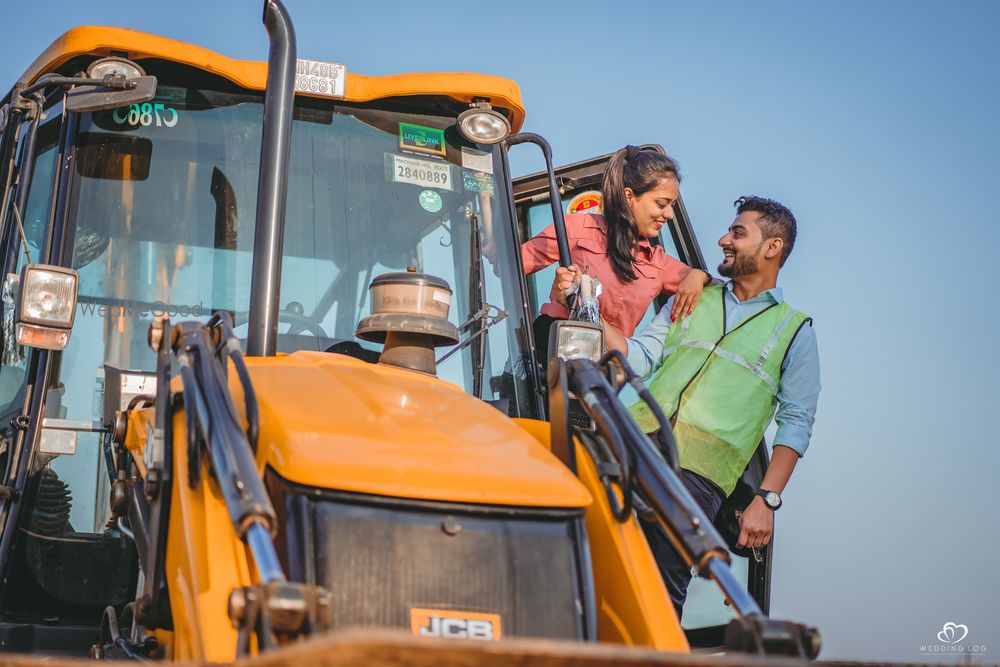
{"points": [[720, 388]]}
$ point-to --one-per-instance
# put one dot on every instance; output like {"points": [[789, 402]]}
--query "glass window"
{"points": [[35, 217], [166, 219]]}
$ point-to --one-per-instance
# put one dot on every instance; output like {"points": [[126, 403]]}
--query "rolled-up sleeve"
{"points": [[798, 392], [645, 349], [672, 271]]}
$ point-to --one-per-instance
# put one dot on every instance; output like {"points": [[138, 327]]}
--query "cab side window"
{"points": [[35, 216]]}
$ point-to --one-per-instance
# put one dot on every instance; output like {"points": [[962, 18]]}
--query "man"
{"points": [[740, 358]]}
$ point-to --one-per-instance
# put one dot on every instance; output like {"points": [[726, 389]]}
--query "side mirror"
{"points": [[98, 98], [46, 306], [115, 73]]}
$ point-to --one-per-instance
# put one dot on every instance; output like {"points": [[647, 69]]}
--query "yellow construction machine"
{"points": [[268, 373]]}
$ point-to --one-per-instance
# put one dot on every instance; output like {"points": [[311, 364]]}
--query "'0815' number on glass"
{"points": [[146, 114]]}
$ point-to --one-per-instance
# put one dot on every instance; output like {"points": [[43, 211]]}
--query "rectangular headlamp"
{"points": [[46, 306], [569, 339]]}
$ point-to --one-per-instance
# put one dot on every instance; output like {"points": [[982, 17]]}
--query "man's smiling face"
{"points": [[741, 246]]}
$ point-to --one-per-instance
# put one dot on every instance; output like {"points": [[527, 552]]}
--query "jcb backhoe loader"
{"points": [[268, 373]]}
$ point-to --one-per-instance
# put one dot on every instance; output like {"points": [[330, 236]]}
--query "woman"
{"points": [[639, 190]]}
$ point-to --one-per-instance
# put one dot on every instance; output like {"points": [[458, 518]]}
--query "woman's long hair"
{"points": [[641, 171]]}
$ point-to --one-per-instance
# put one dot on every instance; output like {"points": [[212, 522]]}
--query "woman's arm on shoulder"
{"points": [[685, 283]]}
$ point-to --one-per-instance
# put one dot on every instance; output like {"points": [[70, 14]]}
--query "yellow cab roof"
{"points": [[101, 41]]}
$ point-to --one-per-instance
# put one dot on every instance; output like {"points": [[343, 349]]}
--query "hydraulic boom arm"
{"points": [[627, 459]]}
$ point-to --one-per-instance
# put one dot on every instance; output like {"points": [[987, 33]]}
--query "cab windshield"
{"points": [[165, 223]]}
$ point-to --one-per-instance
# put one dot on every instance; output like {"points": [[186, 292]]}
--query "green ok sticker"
{"points": [[430, 201]]}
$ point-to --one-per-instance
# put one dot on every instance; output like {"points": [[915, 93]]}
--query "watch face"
{"points": [[772, 499]]}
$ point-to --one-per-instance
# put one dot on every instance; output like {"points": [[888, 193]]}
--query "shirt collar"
{"points": [[773, 295], [645, 247]]}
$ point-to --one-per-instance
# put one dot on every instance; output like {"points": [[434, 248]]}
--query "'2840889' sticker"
{"points": [[419, 172]]}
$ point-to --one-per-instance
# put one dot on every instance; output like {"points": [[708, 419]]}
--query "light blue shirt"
{"points": [[798, 390]]}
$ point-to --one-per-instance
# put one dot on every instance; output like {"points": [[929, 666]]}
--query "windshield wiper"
{"points": [[480, 319], [486, 317], [477, 289]]}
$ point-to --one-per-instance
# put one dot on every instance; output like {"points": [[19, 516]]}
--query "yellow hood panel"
{"points": [[332, 421]]}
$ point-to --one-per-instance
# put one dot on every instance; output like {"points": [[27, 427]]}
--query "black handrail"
{"points": [[555, 198]]}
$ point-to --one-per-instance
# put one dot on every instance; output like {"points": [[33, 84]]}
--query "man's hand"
{"points": [[756, 524], [688, 293], [565, 278]]}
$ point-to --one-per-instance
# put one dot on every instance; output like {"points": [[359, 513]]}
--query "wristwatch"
{"points": [[771, 498]]}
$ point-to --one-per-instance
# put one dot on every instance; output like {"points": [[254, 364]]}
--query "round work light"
{"points": [[116, 67], [482, 125]]}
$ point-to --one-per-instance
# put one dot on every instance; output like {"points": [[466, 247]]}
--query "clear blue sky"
{"points": [[877, 124]]}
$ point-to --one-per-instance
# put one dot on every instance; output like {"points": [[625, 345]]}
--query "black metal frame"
{"points": [[41, 364], [27, 429], [536, 380]]}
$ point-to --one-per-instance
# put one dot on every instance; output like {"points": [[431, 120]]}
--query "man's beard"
{"points": [[743, 265]]}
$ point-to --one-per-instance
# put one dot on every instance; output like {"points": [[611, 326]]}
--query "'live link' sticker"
{"points": [[422, 139]]}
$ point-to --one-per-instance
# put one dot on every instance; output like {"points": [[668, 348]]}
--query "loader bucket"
{"points": [[377, 647]]}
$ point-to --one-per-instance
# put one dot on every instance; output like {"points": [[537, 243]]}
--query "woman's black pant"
{"points": [[676, 573]]}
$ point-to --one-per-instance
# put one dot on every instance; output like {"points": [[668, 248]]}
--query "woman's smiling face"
{"points": [[653, 208]]}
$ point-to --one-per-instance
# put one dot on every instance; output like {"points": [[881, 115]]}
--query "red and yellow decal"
{"points": [[587, 202], [455, 624]]}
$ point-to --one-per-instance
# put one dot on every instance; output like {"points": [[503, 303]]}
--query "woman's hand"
{"points": [[565, 278], [688, 293]]}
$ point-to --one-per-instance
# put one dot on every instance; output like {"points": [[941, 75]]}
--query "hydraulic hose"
{"points": [[678, 515]]}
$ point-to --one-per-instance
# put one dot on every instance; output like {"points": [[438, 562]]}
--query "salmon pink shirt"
{"points": [[622, 303]]}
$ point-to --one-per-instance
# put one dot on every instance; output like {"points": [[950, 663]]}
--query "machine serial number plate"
{"points": [[421, 172], [319, 78]]}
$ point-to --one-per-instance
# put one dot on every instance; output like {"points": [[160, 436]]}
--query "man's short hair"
{"points": [[775, 220]]}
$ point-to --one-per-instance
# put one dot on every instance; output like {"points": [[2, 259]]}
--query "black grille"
{"points": [[379, 561]]}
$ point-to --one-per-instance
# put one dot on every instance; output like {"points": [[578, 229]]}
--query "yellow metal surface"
{"points": [[139, 431], [98, 40], [205, 562], [632, 603], [336, 422]]}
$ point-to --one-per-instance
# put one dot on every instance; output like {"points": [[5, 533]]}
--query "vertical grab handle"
{"points": [[555, 199]]}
